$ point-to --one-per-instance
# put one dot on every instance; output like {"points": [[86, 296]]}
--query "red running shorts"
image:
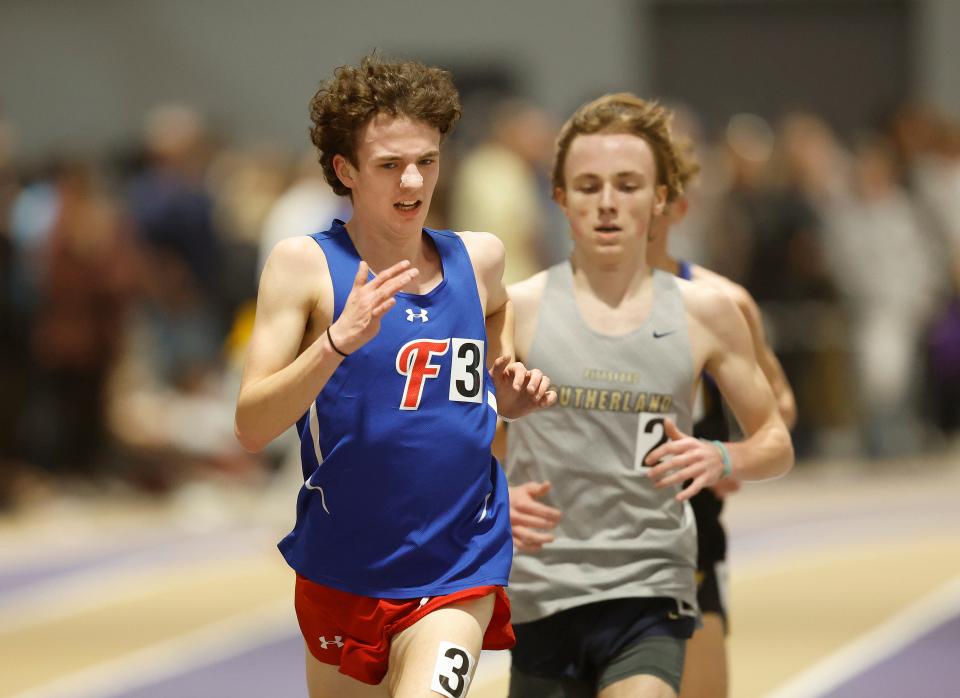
{"points": [[354, 632]]}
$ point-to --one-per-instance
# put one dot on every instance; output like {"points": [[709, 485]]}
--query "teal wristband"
{"points": [[724, 457]]}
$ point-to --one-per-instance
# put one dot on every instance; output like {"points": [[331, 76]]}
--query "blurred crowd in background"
{"points": [[128, 285]]}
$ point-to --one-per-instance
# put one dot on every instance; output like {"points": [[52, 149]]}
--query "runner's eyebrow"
{"points": [[390, 157], [625, 174]]}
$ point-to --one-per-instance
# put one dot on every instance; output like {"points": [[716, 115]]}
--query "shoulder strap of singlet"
{"points": [[342, 260], [668, 305], [685, 271], [559, 287], [453, 253]]}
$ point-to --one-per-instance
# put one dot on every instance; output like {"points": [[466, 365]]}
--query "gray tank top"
{"points": [[619, 537]]}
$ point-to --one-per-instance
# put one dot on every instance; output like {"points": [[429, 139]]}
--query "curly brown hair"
{"points": [[343, 105], [626, 113]]}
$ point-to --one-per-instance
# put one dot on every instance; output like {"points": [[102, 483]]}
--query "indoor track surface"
{"points": [[845, 581]]}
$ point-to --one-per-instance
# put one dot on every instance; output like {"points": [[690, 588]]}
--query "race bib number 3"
{"points": [[466, 370], [453, 671], [651, 434]]}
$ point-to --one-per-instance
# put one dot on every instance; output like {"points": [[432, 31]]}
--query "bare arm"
{"points": [[277, 384], [487, 256], [525, 298], [767, 450], [500, 327], [768, 361], [723, 347], [279, 379], [769, 364], [518, 390], [531, 520]]}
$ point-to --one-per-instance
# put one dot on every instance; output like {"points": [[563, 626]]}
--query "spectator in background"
{"points": [[766, 238], [928, 145], [944, 199], [812, 162], [30, 397], [882, 259], [910, 130], [501, 186], [939, 189], [170, 399], [174, 210], [32, 215], [91, 274], [13, 352], [690, 234], [809, 170], [745, 211], [308, 205], [245, 184]]}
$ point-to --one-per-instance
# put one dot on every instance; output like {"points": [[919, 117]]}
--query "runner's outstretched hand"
{"points": [[368, 301], [530, 520], [683, 458], [520, 391]]}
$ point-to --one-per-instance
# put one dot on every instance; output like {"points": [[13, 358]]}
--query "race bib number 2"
{"points": [[651, 434]]}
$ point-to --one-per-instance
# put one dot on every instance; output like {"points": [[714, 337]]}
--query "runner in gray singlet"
{"points": [[603, 587], [614, 394]]}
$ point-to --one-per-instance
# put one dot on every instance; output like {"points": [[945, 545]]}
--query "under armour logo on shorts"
{"points": [[324, 642], [422, 315]]}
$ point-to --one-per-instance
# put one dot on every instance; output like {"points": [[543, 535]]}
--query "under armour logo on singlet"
{"points": [[422, 315], [324, 642]]}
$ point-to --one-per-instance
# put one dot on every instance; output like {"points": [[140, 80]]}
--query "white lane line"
{"points": [[210, 644], [882, 642]]}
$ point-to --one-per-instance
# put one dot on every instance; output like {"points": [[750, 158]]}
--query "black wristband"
{"points": [[334, 346]]}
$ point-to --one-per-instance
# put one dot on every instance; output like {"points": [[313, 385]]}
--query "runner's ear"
{"points": [[345, 170], [660, 204]]}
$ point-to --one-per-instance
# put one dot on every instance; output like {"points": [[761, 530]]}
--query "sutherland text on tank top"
{"points": [[618, 537]]}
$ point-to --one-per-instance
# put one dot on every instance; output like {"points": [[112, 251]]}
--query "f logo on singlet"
{"points": [[413, 361]]}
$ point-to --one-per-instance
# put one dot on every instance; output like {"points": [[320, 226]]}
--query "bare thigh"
{"points": [[644, 686], [415, 652], [705, 670], [325, 681]]}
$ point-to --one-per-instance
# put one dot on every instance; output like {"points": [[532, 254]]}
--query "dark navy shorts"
{"points": [[581, 650]]}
